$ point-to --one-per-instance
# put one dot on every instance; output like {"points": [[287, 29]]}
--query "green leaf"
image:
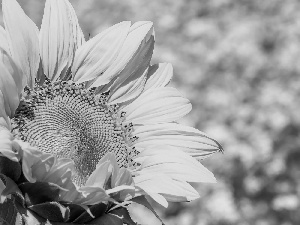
{"points": [[11, 188], [29, 217], [124, 214], [2, 188], [39, 192], [10, 168], [94, 211], [142, 200], [107, 219], [53, 211], [9, 213], [19, 198], [75, 210]]}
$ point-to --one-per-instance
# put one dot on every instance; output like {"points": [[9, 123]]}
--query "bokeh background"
{"points": [[238, 63]]}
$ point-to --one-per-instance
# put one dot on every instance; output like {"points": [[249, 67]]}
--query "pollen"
{"points": [[66, 120]]}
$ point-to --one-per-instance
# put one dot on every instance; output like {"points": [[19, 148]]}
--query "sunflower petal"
{"points": [[23, 39], [188, 139], [4, 120], [174, 163], [7, 145], [60, 36], [96, 55], [159, 75], [190, 193], [119, 188], [161, 105], [14, 70], [170, 189], [131, 81], [3, 40], [139, 33], [159, 199], [9, 91]]}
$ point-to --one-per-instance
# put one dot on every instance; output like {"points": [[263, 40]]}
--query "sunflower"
{"points": [[90, 123]]}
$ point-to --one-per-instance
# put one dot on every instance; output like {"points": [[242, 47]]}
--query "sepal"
{"points": [[9, 188], [124, 214], [10, 168], [91, 213], [52, 211], [9, 213], [39, 192], [142, 200]]}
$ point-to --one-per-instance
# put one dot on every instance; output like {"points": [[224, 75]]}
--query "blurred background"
{"points": [[238, 63]]}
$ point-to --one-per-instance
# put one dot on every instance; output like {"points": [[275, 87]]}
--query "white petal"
{"points": [[188, 139], [129, 90], [96, 55], [9, 91], [172, 190], [161, 105], [23, 39], [159, 75], [139, 33], [14, 71], [131, 81], [6, 144], [174, 163], [190, 193], [4, 120], [3, 40], [159, 199], [60, 37], [119, 188]]}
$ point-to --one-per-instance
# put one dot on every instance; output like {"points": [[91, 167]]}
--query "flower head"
{"points": [[91, 122]]}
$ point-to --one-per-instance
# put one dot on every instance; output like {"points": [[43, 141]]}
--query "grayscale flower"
{"points": [[91, 122]]}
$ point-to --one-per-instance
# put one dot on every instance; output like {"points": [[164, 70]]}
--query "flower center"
{"points": [[68, 121]]}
